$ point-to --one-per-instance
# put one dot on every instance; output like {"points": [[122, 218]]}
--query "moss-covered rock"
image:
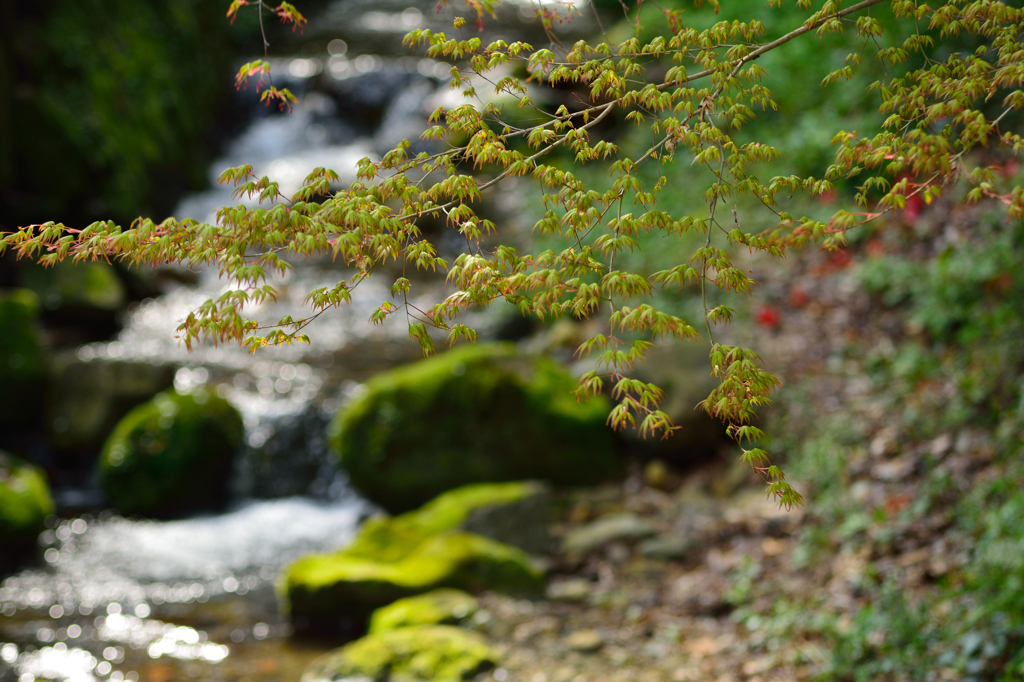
{"points": [[171, 455], [522, 522], [516, 513], [433, 608], [25, 503], [426, 653], [385, 538], [474, 414], [391, 560], [86, 399], [451, 509], [89, 285], [22, 362]]}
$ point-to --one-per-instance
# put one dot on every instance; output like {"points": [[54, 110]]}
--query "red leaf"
{"points": [[768, 316]]}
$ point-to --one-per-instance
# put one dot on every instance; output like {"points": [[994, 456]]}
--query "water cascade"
{"points": [[119, 599]]}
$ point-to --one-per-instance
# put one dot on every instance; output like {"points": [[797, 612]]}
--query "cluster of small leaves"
{"points": [[942, 110], [707, 87], [260, 68], [286, 12]]}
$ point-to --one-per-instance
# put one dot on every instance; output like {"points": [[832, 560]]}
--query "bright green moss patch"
{"points": [[171, 455], [433, 608], [412, 554], [22, 363], [386, 539], [340, 590], [426, 653], [449, 510], [25, 501], [474, 414]]}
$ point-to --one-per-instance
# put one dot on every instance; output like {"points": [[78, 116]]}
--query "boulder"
{"points": [[25, 503], [474, 414], [425, 653], [172, 455], [87, 399], [390, 560], [22, 362], [81, 302], [392, 538], [515, 513], [433, 608]]}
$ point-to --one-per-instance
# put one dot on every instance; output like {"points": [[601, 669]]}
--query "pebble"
{"points": [[585, 640], [573, 589]]}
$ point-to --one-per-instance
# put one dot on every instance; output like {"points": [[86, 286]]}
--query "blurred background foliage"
{"points": [[113, 109], [109, 108], [943, 372]]}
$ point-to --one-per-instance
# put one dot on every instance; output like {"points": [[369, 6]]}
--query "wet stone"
{"points": [[607, 529]]}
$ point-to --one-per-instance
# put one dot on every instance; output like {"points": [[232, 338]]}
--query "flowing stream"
{"points": [[119, 599]]}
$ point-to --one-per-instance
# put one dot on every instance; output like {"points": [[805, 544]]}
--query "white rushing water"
{"points": [[88, 616], [133, 561]]}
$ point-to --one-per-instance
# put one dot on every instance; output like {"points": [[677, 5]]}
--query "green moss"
{"points": [[412, 554], [322, 590], [92, 285], [478, 413], [435, 653], [449, 510], [432, 608], [391, 539], [22, 362], [171, 455], [25, 501], [383, 538]]}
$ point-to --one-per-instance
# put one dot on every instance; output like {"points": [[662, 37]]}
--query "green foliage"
{"points": [[956, 369], [473, 414], [890, 639], [171, 455], [434, 653], [970, 627], [433, 608], [106, 105], [967, 293], [963, 306], [946, 78], [22, 362], [25, 502]]}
